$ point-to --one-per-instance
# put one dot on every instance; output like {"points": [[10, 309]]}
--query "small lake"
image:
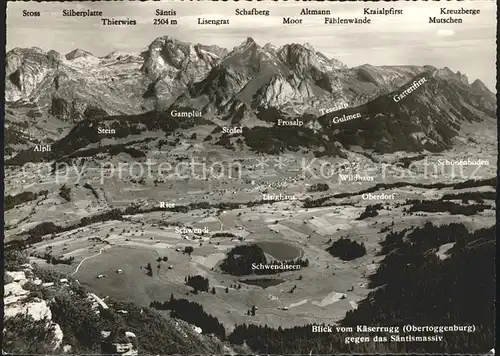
{"points": [[264, 282], [280, 250]]}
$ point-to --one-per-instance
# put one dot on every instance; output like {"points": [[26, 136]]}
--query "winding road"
{"points": [[85, 259], [221, 224]]}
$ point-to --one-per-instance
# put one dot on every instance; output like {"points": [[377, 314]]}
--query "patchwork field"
{"points": [[111, 257]]}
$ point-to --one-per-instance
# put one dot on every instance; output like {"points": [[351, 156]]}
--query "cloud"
{"points": [[445, 33]]}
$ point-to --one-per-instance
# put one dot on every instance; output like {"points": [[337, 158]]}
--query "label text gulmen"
{"points": [[344, 118]]}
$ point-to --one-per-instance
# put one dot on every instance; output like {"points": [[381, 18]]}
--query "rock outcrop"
{"points": [[119, 343], [18, 301]]}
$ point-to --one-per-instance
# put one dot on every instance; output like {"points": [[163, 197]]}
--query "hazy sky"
{"points": [[389, 40]]}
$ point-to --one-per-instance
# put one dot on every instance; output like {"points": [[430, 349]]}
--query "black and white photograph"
{"points": [[250, 177]]}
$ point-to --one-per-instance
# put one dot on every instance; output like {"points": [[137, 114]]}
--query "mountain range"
{"points": [[47, 94]]}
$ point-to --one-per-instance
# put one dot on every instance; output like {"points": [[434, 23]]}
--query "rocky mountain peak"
{"points": [[463, 78], [293, 54], [78, 53], [162, 53], [302, 58], [480, 86], [268, 47], [247, 56], [447, 73], [25, 68], [309, 47], [250, 41], [37, 50], [32, 52], [168, 55], [248, 45], [54, 55]]}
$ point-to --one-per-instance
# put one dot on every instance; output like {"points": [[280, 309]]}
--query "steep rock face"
{"points": [[214, 91], [26, 70], [280, 91], [303, 59], [173, 64], [255, 67], [64, 109]]}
